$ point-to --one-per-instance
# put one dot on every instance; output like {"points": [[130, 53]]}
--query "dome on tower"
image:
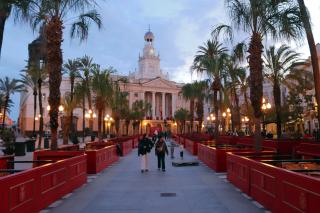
{"points": [[149, 37]]}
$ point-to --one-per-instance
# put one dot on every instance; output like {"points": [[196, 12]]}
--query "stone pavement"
{"points": [[122, 188]]}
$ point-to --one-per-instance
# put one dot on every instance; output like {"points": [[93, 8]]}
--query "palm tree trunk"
{"points": [[216, 111], [41, 113], [54, 54], [191, 114], [277, 103], [248, 111], [34, 111], [256, 82], [3, 19], [103, 124], [71, 97], [5, 110], [236, 116], [313, 52], [99, 124], [83, 118], [66, 128], [90, 107]]}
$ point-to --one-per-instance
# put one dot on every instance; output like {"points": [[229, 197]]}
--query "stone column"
{"points": [[174, 103], [153, 105], [130, 100], [163, 105], [143, 96]]}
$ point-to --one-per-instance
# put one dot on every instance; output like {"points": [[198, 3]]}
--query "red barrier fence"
{"points": [[278, 189], [308, 150], [215, 157], [69, 147], [97, 160], [36, 188], [4, 161]]}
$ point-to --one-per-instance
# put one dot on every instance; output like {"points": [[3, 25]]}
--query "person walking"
{"points": [[161, 150], [144, 147]]}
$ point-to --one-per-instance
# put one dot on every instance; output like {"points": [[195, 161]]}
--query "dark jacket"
{"points": [[145, 146], [164, 148]]}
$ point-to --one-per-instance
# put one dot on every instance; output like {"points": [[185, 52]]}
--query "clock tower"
{"points": [[149, 62]]}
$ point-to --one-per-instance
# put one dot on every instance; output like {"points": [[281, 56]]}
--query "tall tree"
{"points": [[278, 63], [181, 116], [211, 59], [54, 14], [86, 67], [9, 87], [19, 7], [201, 88], [80, 92], [189, 93], [304, 15], [103, 91], [29, 78], [68, 105], [259, 19], [72, 68], [139, 111]]}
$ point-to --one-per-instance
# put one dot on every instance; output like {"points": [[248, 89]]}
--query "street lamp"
{"points": [[108, 119], [265, 107]]}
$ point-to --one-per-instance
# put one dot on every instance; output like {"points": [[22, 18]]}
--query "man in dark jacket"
{"points": [[144, 147], [161, 150]]}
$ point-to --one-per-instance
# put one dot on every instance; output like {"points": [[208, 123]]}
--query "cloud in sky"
{"points": [[180, 26]]}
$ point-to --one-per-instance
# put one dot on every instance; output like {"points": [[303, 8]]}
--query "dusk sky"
{"points": [[179, 26]]}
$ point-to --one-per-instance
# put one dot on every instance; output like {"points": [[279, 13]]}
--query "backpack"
{"points": [[160, 148]]}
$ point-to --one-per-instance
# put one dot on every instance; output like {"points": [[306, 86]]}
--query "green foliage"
{"points": [[8, 137]]}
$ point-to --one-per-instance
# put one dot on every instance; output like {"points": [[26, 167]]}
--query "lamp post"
{"points": [[265, 107], [108, 119]]}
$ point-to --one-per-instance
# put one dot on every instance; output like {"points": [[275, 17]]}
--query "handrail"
{"points": [[31, 161]]}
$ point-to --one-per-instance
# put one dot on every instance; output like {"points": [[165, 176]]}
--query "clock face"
{"points": [[151, 51]]}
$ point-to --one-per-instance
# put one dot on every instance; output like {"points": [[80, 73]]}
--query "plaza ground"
{"points": [[122, 188]]}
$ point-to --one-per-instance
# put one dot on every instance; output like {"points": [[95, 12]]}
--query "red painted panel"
{"points": [[101, 159], [36, 188]]}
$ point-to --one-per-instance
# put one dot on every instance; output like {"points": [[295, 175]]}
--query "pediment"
{"points": [[160, 83]]}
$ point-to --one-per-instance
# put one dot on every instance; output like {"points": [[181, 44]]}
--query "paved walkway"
{"points": [[122, 188]]}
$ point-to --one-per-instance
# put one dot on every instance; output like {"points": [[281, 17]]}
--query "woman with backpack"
{"points": [[161, 150]]}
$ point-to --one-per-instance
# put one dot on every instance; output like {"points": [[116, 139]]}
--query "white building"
{"points": [[148, 83]]}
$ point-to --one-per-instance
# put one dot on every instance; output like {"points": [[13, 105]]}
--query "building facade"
{"points": [[148, 83]]}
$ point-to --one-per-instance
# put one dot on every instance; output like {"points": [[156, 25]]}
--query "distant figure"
{"points": [[269, 135], [161, 150], [284, 134], [172, 145], [144, 147], [181, 151]]}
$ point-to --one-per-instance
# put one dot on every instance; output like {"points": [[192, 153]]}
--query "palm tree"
{"points": [[103, 90], [19, 7], [259, 19], [54, 14], [189, 93], [72, 68], [86, 67], [244, 87], [9, 87], [181, 115], [211, 59], [304, 16], [200, 87], [29, 79], [80, 92], [278, 62], [120, 106], [139, 111], [69, 105]]}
